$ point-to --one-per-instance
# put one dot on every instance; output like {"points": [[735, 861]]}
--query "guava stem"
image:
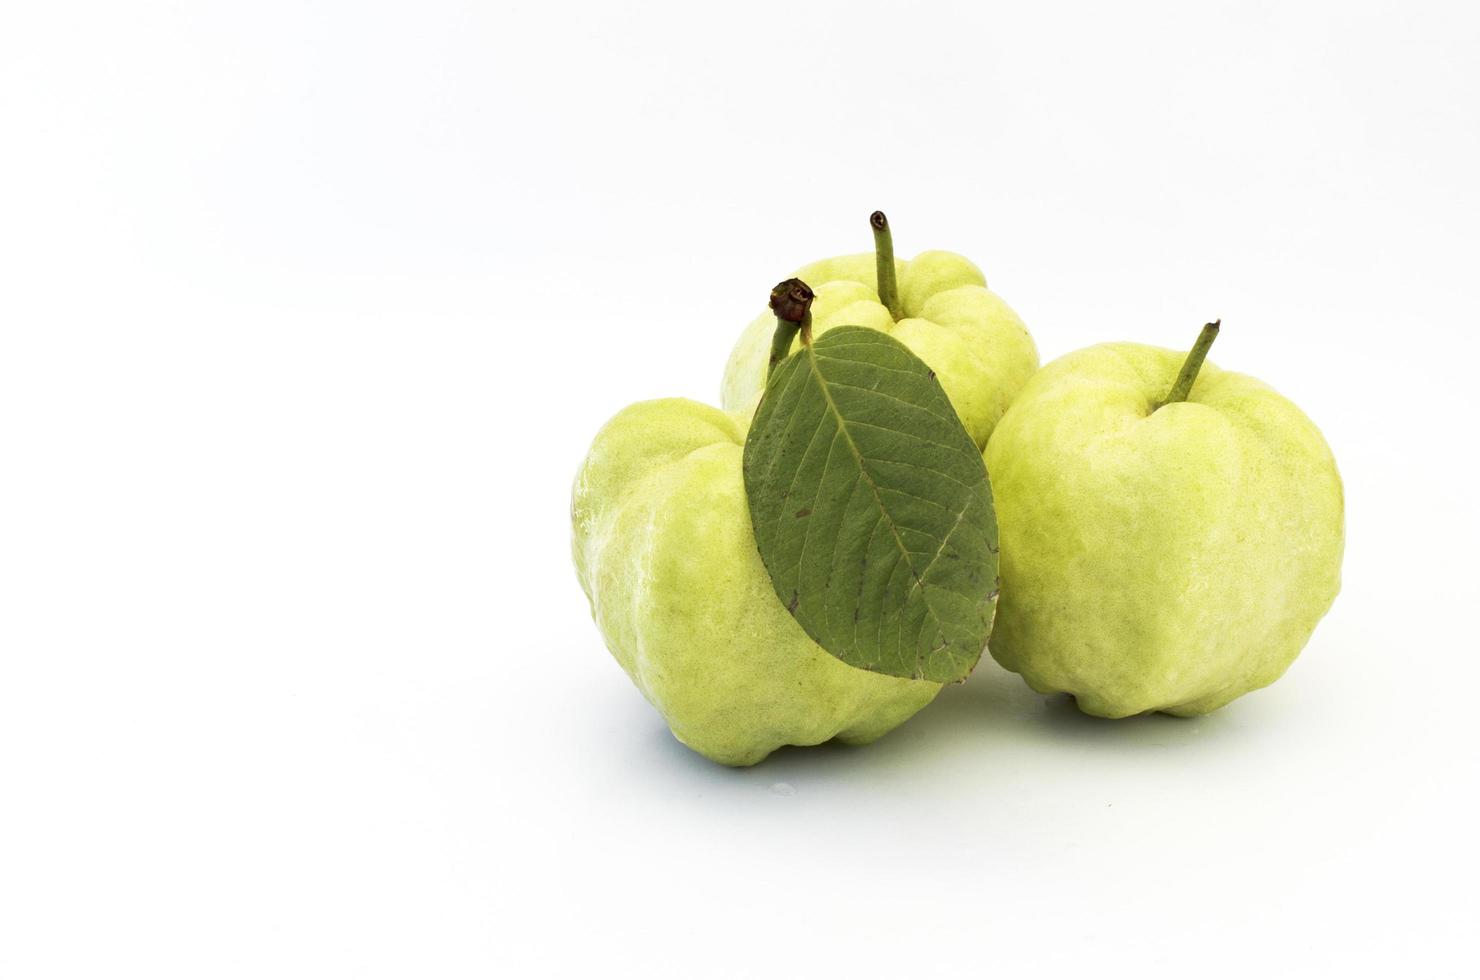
{"points": [[1183, 385], [884, 264], [791, 301]]}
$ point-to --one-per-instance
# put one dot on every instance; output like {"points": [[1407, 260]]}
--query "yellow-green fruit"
{"points": [[664, 550], [978, 347], [1159, 559]]}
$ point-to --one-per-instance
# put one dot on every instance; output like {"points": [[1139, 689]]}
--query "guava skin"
{"points": [[978, 347], [1165, 559], [664, 550]]}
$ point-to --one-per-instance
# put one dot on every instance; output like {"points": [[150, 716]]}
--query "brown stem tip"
{"points": [[791, 300], [878, 220]]}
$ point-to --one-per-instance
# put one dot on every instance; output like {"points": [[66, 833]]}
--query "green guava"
{"points": [[664, 550], [979, 349], [1159, 556]]}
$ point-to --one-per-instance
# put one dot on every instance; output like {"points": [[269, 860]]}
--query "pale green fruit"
{"points": [[1159, 559], [978, 347], [664, 550]]}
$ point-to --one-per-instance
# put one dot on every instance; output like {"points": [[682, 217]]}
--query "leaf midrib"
{"points": [[904, 552]]}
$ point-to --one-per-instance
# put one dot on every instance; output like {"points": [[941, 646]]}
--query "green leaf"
{"points": [[872, 510]]}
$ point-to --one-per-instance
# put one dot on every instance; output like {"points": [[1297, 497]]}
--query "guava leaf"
{"points": [[872, 510]]}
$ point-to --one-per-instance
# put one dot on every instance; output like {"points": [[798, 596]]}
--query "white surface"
{"points": [[310, 311]]}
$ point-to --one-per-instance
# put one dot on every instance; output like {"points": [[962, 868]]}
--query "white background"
{"points": [[310, 311]]}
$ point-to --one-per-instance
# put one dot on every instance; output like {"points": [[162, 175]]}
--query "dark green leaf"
{"points": [[872, 509]]}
